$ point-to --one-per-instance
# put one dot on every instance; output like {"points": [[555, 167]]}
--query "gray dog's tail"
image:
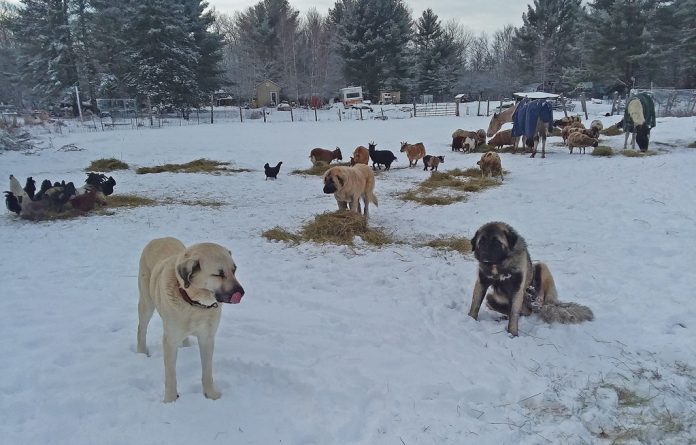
{"points": [[565, 313]]}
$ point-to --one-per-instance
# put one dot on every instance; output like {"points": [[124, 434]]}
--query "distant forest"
{"points": [[180, 52]]}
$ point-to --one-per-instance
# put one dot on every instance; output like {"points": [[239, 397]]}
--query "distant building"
{"points": [[389, 97], [267, 94]]}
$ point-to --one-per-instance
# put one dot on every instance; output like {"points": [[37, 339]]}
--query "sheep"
{"points": [[567, 130], [568, 120], [490, 165], [581, 140], [380, 157], [413, 151], [360, 156], [323, 156], [432, 162], [502, 138]]}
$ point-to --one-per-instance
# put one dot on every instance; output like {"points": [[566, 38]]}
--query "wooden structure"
{"points": [[267, 94]]}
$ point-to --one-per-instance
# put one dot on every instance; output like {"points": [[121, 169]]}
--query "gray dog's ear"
{"points": [[511, 236], [474, 240], [186, 269]]}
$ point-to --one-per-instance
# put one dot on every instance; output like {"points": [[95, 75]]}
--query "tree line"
{"points": [[180, 52]]}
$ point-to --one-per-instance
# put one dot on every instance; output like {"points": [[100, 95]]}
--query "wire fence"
{"points": [[130, 120]]}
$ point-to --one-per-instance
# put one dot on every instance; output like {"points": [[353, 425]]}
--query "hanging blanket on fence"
{"points": [[524, 120], [633, 113]]}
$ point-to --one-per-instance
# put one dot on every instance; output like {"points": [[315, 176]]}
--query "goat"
{"points": [[323, 156], [490, 165], [432, 162], [380, 157], [361, 155], [413, 151]]}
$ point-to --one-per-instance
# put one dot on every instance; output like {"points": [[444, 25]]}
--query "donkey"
{"points": [[497, 122]]}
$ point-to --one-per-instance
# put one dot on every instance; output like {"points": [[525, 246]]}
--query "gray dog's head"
{"points": [[493, 242], [207, 272]]}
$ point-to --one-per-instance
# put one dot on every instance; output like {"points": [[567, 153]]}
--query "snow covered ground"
{"points": [[364, 345]]}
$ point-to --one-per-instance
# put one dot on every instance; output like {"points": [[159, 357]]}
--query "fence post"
{"points": [[488, 107], [583, 102], [292, 118], [316, 118], [264, 115], [339, 114], [240, 114], [478, 112], [563, 104], [212, 96], [414, 108], [613, 103], [360, 113]]}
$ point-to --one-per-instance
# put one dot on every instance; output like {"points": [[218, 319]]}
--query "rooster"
{"points": [[12, 203], [272, 172], [45, 185]]}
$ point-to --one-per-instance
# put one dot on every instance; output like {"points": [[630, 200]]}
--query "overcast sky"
{"points": [[478, 15]]}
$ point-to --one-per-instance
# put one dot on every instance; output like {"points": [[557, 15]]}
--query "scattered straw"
{"points": [[319, 169], [106, 165], [637, 154], [602, 150], [458, 244], [444, 188], [339, 227], [279, 234], [197, 166], [611, 131], [129, 201]]}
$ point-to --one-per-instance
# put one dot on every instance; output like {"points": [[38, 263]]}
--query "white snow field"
{"points": [[357, 345]]}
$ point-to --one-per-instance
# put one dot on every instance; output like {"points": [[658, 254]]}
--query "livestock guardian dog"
{"points": [[349, 185], [185, 285], [519, 288]]}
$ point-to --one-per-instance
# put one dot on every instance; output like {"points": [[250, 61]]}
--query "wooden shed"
{"points": [[267, 94]]}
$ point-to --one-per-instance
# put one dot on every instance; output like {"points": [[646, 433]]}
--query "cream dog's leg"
{"points": [[206, 344]]}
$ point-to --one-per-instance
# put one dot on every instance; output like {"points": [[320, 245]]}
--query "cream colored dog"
{"points": [[349, 185], [185, 286]]}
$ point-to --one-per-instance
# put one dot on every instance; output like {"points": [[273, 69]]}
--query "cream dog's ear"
{"points": [[186, 268]]}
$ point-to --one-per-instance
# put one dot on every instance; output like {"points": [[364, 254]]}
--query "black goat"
{"points": [[380, 157]]}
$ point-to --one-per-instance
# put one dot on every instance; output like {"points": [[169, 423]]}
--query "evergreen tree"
{"points": [[47, 60], [208, 43], [428, 43], [10, 85], [372, 39], [163, 54], [616, 45], [686, 16], [546, 40]]}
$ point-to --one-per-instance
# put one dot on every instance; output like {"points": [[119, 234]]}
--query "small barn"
{"points": [[267, 94]]}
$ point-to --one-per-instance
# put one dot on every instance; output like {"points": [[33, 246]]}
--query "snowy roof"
{"points": [[536, 95], [459, 96]]}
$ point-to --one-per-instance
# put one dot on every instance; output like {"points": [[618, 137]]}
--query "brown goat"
{"points": [[490, 165], [323, 156], [581, 140], [360, 156], [413, 151]]}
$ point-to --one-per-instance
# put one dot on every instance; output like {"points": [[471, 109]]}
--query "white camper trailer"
{"points": [[351, 96]]}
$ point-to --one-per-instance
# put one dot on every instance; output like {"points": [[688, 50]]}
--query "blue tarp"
{"points": [[527, 113]]}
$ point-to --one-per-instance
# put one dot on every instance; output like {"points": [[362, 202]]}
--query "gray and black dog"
{"points": [[519, 287]]}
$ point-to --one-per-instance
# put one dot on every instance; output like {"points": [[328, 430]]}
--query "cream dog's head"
{"points": [[335, 179], [207, 273]]}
